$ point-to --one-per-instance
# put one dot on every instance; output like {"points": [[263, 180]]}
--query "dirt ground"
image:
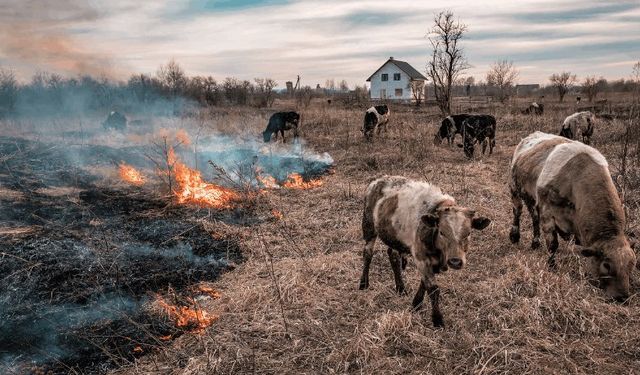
{"points": [[294, 306]]}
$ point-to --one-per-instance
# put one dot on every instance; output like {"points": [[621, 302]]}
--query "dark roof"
{"points": [[405, 67]]}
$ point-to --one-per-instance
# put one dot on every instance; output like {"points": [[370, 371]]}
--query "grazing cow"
{"points": [[376, 116], [115, 120], [478, 129], [451, 126], [581, 122], [415, 218], [534, 109], [279, 122], [567, 188]]}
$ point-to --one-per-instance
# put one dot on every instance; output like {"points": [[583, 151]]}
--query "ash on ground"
{"points": [[80, 262]]}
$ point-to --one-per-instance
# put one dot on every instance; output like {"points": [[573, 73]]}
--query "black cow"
{"points": [[478, 129], [534, 109], [376, 116], [451, 126], [279, 122], [115, 120]]}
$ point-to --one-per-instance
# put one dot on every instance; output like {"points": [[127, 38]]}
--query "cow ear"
{"points": [[479, 223], [586, 252], [430, 220]]}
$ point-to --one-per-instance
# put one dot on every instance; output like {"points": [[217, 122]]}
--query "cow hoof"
{"points": [[438, 321], [364, 285], [401, 291], [535, 243], [514, 235]]}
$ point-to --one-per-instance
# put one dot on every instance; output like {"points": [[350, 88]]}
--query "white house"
{"points": [[393, 81]]}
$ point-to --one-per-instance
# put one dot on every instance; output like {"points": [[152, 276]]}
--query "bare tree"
{"points": [[173, 77], [344, 86], [417, 91], [330, 85], [8, 91], [563, 83], [447, 60], [264, 89], [591, 86], [502, 75]]}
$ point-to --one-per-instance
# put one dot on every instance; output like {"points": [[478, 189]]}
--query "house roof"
{"points": [[405, 67]]}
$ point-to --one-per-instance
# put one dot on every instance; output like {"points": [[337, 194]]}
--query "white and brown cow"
{"points": [[579, 123], [568, 190], [415, 218]]}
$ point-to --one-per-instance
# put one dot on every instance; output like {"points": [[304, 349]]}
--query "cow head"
{"points": [[266, 136], [613, 263], [382, 109], [450, 229], [566, 132]]}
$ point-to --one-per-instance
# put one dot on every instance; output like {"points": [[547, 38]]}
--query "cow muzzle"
{"points": [[455, 263]]}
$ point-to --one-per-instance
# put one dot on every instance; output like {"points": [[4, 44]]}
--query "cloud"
{"points": [[319, 39]]}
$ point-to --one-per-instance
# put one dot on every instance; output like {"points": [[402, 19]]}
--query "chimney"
{"points": [[391, 58]]}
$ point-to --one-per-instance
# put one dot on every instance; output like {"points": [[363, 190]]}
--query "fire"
{"points": [[193, 319], [211, 292], [130, 174], [295, 181], [137, 349], [268, 182], [193, 189]]}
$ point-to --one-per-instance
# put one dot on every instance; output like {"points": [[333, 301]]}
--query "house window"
{"points": [[383, 94], [396, 76], [385, 77], [398, 92]]}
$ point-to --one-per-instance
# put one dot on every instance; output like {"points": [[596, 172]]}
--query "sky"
{"points": [[316, 39]]}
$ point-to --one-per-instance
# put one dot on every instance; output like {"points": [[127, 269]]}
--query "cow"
{"points": [[279, 122], [376, 116], [534, 109], [451, 125], [579, 122], [478, 129], [568, 190], [414, 218], [115, 120]]}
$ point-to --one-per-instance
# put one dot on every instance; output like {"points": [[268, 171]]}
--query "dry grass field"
{"points": [[294, 306]]}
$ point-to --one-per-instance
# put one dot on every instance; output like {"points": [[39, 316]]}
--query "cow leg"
{"points": [[550, 235], [514, 235], [427, 284], [484, 145], [535, 220], [492, 144], [367, 255], [283, 140], [396, 265]]}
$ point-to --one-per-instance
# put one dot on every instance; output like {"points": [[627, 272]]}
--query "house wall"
{"points": [[390, 86]]}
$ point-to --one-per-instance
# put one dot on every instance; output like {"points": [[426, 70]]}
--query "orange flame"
{"points": [[211, 292], [130, 174], [192, 319], [137, 349], [192, 189], [295, 181]]}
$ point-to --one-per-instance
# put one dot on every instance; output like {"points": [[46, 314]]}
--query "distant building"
{"points": [[527, 89], [392, 81]]}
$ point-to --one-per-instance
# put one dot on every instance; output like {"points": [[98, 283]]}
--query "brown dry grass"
{"points": [[294, 305]]}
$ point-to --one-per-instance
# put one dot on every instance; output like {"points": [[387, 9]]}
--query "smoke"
{"points": [[36, 32]]}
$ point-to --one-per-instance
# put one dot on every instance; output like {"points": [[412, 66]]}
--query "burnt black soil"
{"points": [[78, 268]]}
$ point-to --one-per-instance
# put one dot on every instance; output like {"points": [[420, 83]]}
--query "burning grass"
{"points": [[130, 174]]}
